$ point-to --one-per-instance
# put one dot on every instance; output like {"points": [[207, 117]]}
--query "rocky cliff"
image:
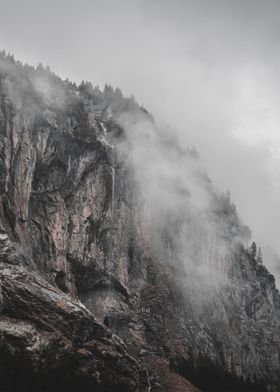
{"points": [[113, 278]]}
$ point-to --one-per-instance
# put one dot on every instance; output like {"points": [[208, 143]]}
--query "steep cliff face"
{"points": [[88, 252]]}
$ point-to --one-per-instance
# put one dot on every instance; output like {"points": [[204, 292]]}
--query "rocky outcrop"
{"points": [[95, 294], [49, 341]]}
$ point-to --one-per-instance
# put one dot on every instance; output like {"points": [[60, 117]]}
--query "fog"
{"points": [[190, 224], [207, 68]]}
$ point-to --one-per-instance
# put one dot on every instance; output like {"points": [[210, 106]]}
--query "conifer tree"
{"points": [[260, 256], [253, 250]]}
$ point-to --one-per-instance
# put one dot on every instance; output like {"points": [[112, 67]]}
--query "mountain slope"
{"points": [[101, 207]]}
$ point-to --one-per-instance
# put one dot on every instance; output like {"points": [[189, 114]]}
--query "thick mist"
{"points": [[192, 225]]}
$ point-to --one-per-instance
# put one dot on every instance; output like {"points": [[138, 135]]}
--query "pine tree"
{"points": [[260, 256], [253, 250], [3, 53], [40, 68]]}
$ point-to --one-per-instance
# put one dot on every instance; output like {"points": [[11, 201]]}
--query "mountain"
{"points": [[122, 268]]}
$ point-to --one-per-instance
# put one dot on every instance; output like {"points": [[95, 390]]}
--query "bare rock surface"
{"points": [[49, 341], [92, 298]]}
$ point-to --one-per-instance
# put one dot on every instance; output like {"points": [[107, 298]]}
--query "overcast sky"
{"points": [[209, 68]]}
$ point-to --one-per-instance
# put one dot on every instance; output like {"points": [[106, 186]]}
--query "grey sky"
{"points": [[210, 68]]}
